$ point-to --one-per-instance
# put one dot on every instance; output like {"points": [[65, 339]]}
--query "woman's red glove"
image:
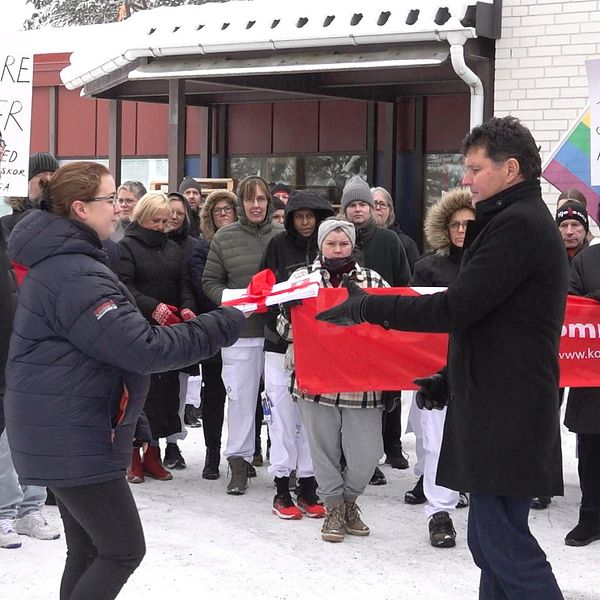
{"points": [[187, 314], [166, 314]]}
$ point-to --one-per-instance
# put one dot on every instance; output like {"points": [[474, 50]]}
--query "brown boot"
{"points": [[333, 526], [153, 465], [354, 524], [135, 473]]}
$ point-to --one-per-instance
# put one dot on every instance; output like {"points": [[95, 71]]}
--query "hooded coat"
{"points": [[504, 312], [440, 267], [79, 344], [234, 258], [19, 207], [288, 251]]}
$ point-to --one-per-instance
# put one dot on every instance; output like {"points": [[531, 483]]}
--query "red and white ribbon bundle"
{"points": [[263, 291], [367, 357]]}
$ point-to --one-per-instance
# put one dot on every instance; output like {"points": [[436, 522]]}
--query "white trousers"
{"points": [[183, 389], [194, 388], [243, 366], [428, 426], [289, 444]]}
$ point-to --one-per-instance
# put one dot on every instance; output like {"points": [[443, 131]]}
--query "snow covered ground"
{"points": [[203, 543]]}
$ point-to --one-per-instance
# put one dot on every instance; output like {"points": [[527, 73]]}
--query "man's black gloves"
{"points": [[349, 312], [433, 392]]}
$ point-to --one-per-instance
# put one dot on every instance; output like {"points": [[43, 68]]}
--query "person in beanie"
{"points": [[573, 224], [278, 215], [381, 250], [294, 248], [281, 191], [41, 167], [347, 420], [504, 313], [191, 190], [233, 259], [582, 414]]}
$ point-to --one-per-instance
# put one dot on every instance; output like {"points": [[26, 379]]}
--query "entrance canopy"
{"points": [[266, 50]]}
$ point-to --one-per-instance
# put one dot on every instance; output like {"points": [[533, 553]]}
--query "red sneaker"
{"points": [[284, 507], [314, 510]]}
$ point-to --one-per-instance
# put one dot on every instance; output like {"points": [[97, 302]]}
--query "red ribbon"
{"points": [[257, 291]]}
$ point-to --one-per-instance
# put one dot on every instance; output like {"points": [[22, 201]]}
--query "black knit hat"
{"points": [[575, 211], [42, 162], [281, 187], [187, 183], [278, 203]]}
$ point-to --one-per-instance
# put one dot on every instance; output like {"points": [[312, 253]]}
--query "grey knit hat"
{"points": [[187, 183], [357, 188], [42, 162], [333, 223]]}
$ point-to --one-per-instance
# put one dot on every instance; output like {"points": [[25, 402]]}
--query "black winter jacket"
{"points": [[434, 270], [150, 265], [383, 252], [289, 251], [79, 341], [504, 312], [410, 246], [582, 414]]}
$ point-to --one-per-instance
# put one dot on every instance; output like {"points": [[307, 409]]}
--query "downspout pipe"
{"points": [[457, 55]]}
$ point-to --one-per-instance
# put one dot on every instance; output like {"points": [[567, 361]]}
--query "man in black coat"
{"points": [[504, 312], [582, 415]]}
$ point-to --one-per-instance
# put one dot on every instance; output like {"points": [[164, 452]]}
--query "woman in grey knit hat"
{"points": [[343, 421]]}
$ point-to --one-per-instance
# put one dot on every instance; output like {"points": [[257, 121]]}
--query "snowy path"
{"points": [[203, 543]]}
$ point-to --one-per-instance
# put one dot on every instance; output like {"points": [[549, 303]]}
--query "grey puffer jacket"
{"points": [[234, 257]]}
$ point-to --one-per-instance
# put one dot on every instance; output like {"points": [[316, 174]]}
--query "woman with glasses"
{"points": [[78, 371], [150, 265], [445, 229], [218, 211], [386, 218]]}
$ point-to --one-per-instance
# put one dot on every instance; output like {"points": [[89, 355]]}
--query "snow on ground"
{"points": [[203, 543]]}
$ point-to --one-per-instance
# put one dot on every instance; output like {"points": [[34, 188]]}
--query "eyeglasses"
{"points": [[224, 210], [258, 199], [379, 204], [126, 201], [110, 198], [456, 225]]}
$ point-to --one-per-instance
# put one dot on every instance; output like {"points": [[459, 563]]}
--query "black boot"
{"points": [[416, 495], [211, 463], [587, 530]]}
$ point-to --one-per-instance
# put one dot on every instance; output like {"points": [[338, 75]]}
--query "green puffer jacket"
{"points": [[234, 257]]}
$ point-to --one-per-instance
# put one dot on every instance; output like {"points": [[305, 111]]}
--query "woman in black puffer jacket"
{"points": [[78, 372], [151, 266]]}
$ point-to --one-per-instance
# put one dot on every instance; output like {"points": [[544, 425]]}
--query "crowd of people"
{"points": [[119, 340]]}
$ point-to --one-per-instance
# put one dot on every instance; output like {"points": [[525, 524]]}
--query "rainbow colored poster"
{"points": [[568, 166]]}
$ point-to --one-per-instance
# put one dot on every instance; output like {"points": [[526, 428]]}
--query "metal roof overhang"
{"points": [[377, 72]]}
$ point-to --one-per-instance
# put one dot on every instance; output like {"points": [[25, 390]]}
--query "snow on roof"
{"points": [[253, 25]]}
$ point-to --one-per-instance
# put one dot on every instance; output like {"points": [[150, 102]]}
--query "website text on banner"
{"points": [[367, 357]]}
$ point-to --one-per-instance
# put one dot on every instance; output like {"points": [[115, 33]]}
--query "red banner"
{"points": [[367, 357]]}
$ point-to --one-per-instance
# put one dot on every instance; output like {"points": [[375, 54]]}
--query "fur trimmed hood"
{"points": [[18, 204], [438, 217], [207, 225]]}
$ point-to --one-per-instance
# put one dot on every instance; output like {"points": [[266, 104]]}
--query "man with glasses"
{"points": [[233, 258], [128, 195], [504, 313]]}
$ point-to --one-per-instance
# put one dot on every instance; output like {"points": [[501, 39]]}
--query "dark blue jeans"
{"points": [[513, 566], [105, 541]]}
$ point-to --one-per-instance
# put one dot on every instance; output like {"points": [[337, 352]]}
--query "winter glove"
{"points": [[143, 432], [433, 393], [187, 314], [165, 314], [285, 308], [349, 312]]}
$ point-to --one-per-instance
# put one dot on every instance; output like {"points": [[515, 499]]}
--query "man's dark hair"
{"points": [[503, 138]]}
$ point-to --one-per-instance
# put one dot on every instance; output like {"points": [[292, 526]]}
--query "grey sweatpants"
{"points": [[356, 431]]}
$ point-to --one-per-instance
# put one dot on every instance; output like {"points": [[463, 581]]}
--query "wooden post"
{"points": [[115, 130], [206, 145], [176, 132]]}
